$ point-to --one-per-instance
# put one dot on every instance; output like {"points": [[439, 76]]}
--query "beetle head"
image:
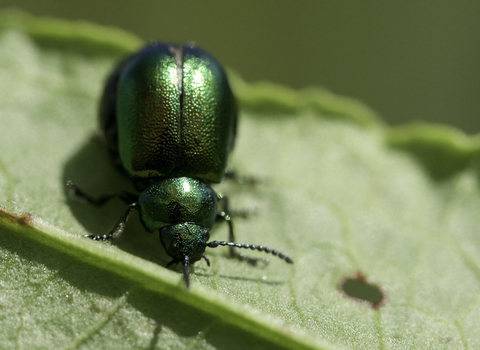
{"points": [[186, 239]]}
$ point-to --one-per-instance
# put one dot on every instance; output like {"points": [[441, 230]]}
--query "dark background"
{"points": [[408, 60]]}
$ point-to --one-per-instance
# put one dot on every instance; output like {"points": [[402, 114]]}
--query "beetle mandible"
{"points": [[169, 119]]}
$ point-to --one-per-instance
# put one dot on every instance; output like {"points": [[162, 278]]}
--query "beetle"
{"points": [[169, 120]]}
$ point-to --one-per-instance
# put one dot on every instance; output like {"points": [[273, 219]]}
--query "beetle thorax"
{"points": [[177, 201]]}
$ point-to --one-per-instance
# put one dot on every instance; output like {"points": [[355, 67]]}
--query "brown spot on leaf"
{"points": [[25, 219]]}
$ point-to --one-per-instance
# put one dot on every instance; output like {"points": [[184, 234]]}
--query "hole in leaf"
{"points": [[358, 288]]}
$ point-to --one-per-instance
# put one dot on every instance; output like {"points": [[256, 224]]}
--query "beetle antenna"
{"points": [[214, 244]]}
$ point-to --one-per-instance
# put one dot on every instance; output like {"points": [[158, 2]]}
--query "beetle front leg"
{"points": [[242, 179], [120, 226], [224, 216], [117, 230], [245, 213], [77, 192]]}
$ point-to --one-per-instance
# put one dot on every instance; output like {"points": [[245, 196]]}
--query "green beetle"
{"points": [[169, 119]]}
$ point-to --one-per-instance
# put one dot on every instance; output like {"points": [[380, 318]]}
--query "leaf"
{"points": [[347, 197]]}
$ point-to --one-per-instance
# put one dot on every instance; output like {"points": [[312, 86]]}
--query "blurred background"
{"points": [[408, 60]]}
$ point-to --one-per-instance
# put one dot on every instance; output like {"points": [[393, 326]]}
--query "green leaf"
{"points": [[360, 207]]}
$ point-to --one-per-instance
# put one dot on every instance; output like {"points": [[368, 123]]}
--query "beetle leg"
{"points": [[223, 216], [77, 192], [206, 259], [234, 213], [242, 179], [171, 262], [118, 229]]}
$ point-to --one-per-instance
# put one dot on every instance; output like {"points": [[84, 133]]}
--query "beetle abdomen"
{"points": [[174, 113]]}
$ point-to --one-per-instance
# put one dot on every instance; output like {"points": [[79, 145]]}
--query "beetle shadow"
{"points": [[95, 173], [243, 279]]}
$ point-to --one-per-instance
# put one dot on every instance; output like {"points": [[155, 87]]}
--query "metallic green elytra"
{"points": [[169, 119], [175, 114]]}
